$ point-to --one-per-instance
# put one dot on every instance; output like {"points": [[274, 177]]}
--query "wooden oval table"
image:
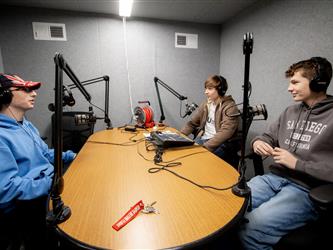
{"points": [[109, 176]]}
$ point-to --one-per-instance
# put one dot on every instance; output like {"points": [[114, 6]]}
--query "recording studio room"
{"points": [[122, 89]]}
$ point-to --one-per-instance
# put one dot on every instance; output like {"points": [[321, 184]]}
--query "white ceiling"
{"points": [[202, 11]]}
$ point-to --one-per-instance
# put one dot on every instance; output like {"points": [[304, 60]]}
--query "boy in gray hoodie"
{"points": [[300, 143]]}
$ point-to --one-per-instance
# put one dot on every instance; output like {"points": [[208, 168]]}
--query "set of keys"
{"points": [[148, 209]]}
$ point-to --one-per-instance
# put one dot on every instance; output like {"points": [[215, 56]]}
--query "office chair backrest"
{"points": [[74, 136]]}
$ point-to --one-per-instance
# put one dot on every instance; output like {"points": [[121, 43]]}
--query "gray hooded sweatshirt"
{"points": [[308, 134]]}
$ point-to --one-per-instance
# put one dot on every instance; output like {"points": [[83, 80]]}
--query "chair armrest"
{"points": [[322, 195]]}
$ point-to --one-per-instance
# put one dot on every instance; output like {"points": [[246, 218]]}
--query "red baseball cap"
{"points": [[7, 81]]}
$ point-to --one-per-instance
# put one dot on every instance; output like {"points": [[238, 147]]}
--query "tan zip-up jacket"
{"points": [[225, 126]]}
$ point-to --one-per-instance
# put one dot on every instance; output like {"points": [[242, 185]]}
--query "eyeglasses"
{"points": [[25, 89]]}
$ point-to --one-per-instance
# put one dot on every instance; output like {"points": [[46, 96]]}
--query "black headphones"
{"points": [[321, 80], [223, 85], [5, 95]]}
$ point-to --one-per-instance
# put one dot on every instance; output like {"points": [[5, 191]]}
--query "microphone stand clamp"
{"points": [[60, 212]]}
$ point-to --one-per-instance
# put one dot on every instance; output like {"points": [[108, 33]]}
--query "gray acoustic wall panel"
{"points": [[95, 47]]}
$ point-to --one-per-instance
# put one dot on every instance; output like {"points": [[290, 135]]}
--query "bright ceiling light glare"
{"points": [[125, 8]]}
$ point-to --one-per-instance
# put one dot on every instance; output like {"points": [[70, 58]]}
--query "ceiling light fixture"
{"points": [[125, 8]]}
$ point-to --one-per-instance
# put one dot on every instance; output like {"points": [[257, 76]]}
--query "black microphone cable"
{"points": [[131, 142], [173, 163]]}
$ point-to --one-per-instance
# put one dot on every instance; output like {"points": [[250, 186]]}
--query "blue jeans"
{"points": [[278, 206], [220, 151], [226, 151], [200, 141]]}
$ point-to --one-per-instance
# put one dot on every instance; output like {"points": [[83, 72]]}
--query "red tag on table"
{"points": [[130, 215]]}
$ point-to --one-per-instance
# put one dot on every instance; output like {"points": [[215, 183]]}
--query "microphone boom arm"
{"points": [[60, 212], [171, 90], [106, 98], [63, 66]]}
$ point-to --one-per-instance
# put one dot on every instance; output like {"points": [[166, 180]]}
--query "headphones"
{"points": [[5, 95], [223, 85], [321, 80]]}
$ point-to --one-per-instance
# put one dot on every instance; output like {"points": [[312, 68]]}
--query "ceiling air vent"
{"points": [[184, 40], [49, 31]]}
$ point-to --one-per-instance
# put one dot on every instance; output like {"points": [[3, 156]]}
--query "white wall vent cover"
{"points": [[49, 31], [184, 40]]}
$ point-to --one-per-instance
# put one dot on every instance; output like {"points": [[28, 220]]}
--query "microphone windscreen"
{"points": [[81, 119], [84, 119], [68, 100]]}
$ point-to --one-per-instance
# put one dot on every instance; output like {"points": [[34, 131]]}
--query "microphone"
{"points": [[190, 108], [257, 110], [67, 99], [84, 119]]}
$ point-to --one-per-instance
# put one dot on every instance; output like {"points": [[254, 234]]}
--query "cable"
{"points": [[174, 164], [181, 108], [148, 114], [97, 107], [171, 163], [144, 116], [130, 143], [131, 138], [127, 68]]}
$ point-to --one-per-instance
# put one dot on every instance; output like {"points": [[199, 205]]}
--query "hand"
{"points": [[284, 157], [262, 148]]}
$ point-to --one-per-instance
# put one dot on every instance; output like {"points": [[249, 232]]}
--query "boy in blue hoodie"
{"points": [[26, 168], [300, 143]]}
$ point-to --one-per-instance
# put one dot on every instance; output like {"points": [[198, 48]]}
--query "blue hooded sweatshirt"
{"points": [[26, 162]]}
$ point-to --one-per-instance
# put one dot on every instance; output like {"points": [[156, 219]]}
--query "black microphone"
{"points": [[84, 119], [68, 98], [257, 110], [190, 108]]}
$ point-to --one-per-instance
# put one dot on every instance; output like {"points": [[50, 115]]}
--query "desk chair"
{"points": [[231, 148], [233, 145], [314, 235], [74, 135]]}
